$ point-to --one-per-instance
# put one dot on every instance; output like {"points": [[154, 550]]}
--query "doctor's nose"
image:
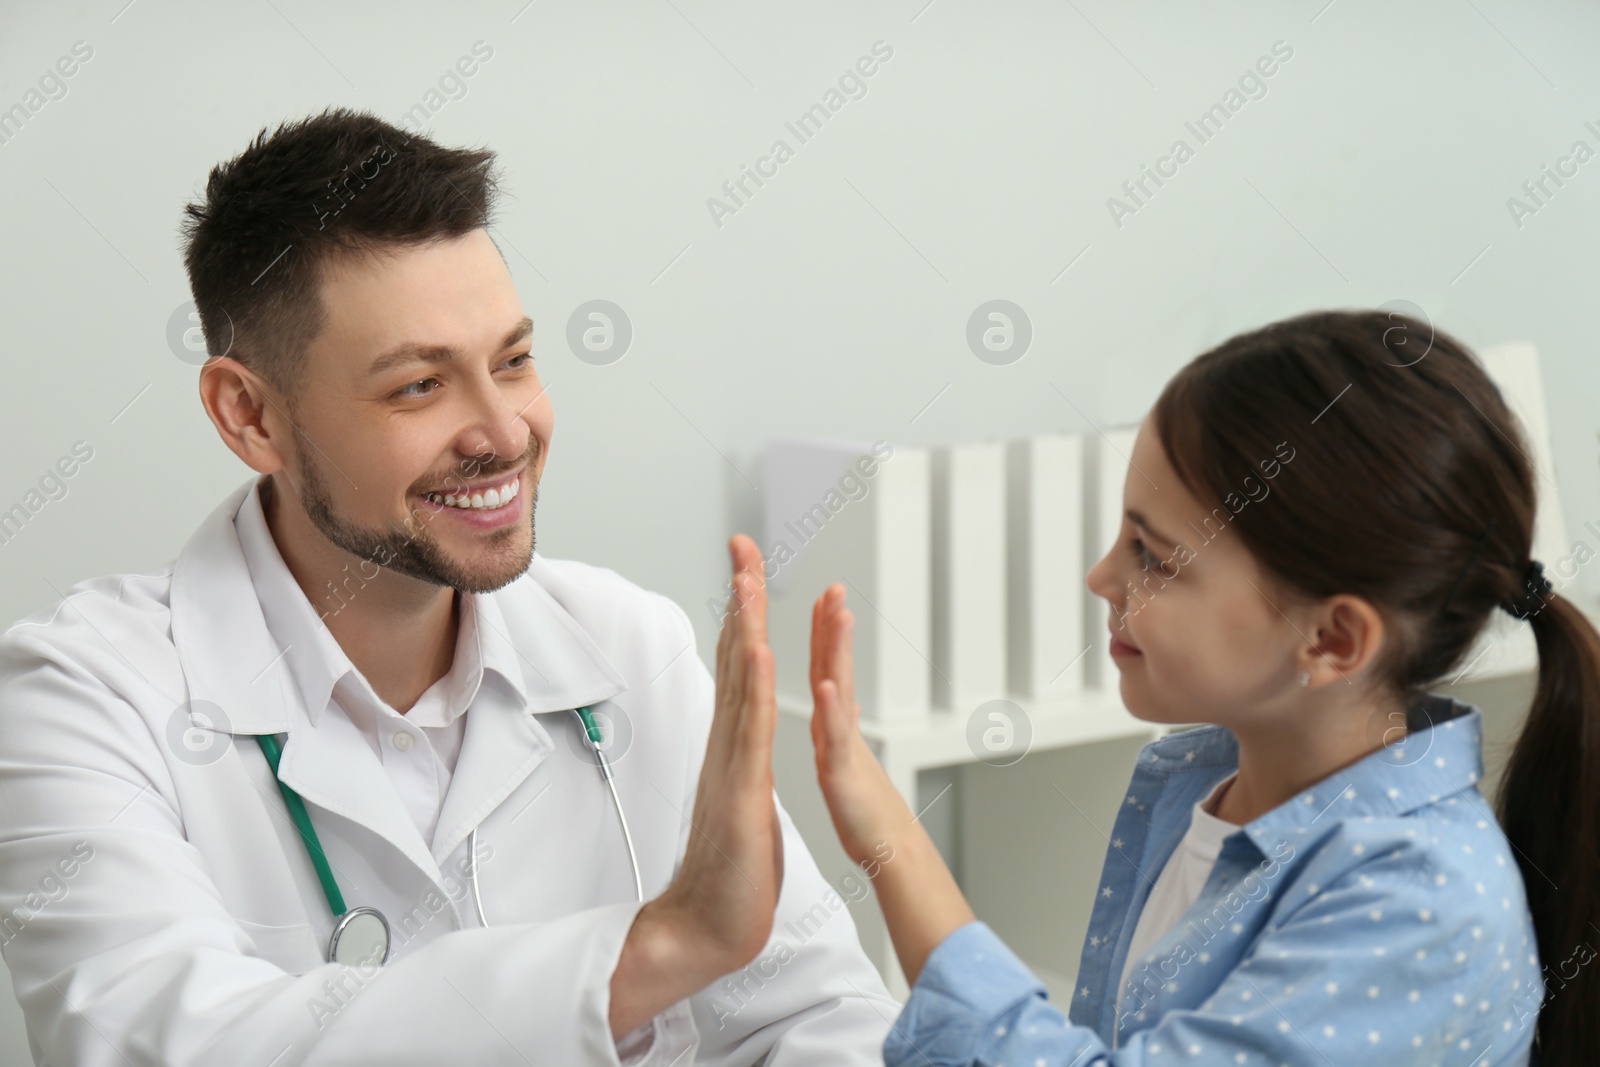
{"points": [[498, 432]]}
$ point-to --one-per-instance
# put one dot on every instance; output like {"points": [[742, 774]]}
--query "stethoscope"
{"points": [[361, 935]]}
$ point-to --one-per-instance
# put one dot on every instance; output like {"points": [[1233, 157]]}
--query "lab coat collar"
{"points": [[1439, 756], [315, 659], [229, 659]]}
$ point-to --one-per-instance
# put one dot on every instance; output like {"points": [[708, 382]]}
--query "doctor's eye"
{"points": [[408, 393], [520, 361]]}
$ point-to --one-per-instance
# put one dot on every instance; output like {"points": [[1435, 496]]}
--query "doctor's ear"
{"points": [[247, 412]]}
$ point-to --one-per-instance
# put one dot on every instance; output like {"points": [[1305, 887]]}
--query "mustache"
{"points": [[478, 467]]}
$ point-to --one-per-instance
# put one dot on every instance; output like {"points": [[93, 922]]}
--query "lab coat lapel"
{"points": [[230, 659], [527, 634], [227, 654]]}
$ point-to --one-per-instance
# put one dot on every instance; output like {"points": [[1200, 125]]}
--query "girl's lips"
{"points": [[1119, 647]]}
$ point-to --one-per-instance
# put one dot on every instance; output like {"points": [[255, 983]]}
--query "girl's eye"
{"points": [[1142, 554]]}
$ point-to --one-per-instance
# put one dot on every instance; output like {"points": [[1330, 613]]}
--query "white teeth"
{"points": [[496, 497]]}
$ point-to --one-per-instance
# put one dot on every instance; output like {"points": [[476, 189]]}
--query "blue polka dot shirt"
{"points": [[1376, 918]]}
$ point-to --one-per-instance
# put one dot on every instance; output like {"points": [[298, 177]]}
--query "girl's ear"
{"points": [[1348, 634]]}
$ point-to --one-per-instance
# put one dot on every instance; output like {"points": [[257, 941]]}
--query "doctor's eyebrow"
{"points": [[413, 352]]}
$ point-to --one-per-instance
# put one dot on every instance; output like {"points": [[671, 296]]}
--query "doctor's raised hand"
{"points": [[718, 912], [920, 900]]}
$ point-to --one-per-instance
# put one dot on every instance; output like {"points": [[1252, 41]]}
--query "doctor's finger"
{"points": [[734, 637], [729, 615], [757, 720], [753, 609], [732, 683], [750, 629]]}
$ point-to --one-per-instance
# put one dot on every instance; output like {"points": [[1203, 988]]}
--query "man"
{"points": [[371, 601]]}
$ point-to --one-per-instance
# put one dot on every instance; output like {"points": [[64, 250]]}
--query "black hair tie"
{"points": [[1537, 590]]}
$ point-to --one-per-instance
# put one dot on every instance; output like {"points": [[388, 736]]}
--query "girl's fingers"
{"points": [[834, 726], [824, 623], [821, 719], [844, 667], [814, 671], [831, 654]]}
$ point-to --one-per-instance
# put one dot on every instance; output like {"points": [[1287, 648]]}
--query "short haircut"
{"points": [[340, 184]]}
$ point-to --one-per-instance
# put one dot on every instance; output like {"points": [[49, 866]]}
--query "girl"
{"points": [[1318, 524]]}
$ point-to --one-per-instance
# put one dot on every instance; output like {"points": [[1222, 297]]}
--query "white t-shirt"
{"points": [[1180, 881]]}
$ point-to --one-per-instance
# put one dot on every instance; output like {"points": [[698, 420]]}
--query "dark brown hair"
{"points": [[1411, 487], [339, 183]]}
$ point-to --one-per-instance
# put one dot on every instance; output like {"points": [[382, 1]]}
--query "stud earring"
{"points": [[1303, 679]]}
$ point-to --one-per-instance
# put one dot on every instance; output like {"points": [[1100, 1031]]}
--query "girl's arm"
{"points": [[920, 900]]}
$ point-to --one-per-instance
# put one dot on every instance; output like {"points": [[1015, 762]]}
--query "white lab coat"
{"points": [[158, 907]]}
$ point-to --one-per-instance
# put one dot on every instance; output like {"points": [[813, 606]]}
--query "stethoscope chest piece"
{"points": [[360, 938]]}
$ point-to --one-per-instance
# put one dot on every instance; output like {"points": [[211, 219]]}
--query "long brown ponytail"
{"points": [[1412, 488], [1548, 806]]}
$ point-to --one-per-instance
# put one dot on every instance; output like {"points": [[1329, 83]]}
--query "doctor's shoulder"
{"points": [[94, 680], [115, 629]]}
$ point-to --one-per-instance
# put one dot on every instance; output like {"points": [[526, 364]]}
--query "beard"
{"points": [[409, 547]]}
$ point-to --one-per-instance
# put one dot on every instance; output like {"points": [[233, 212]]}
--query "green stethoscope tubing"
{"points": [[302, 822], [589, 727], [319, 859]]}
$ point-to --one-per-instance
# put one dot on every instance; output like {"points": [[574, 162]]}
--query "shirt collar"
{"points": [[1440, 755], [315, 659]]}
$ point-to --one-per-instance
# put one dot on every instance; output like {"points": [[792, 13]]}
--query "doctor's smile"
{"points": [[491, 497]]}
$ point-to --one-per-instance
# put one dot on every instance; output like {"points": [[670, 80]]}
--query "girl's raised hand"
{"points": [[866, 808], [920, 900]]}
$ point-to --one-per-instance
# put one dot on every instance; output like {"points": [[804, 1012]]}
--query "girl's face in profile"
{"points": [[1199, 632]]}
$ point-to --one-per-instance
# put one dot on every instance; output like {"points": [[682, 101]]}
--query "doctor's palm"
{"points": [[733, 864]]}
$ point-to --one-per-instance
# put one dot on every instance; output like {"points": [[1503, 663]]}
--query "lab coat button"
{"points": [[402, 741]]}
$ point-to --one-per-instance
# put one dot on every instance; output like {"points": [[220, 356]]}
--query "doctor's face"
{"points": [[424, 427], [1197, 630]]}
